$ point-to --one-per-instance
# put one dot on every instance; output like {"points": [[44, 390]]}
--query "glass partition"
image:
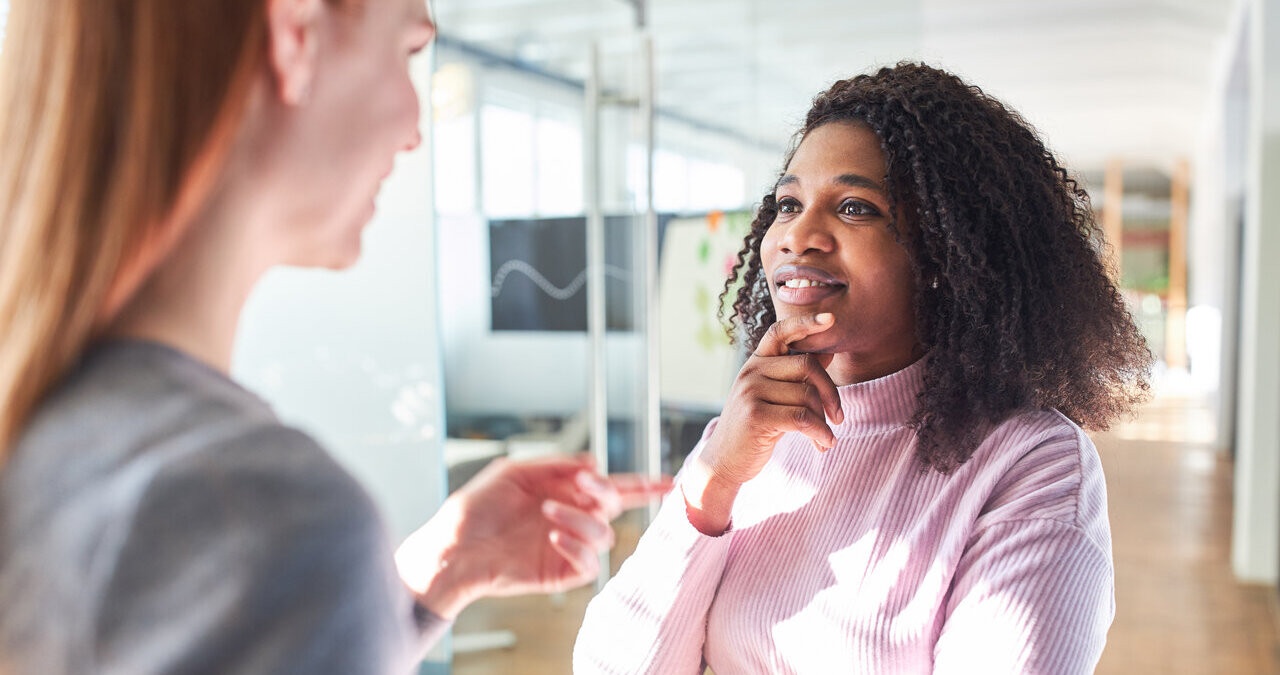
{"points": [[539, 137]]}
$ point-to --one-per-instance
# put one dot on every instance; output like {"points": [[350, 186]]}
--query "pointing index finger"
{"points": [[777, 340]]}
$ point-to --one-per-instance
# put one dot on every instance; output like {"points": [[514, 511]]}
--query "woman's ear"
{"points": [[293, 35]]}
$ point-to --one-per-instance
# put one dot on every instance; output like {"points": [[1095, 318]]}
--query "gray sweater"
{"points": [[156, 517]]}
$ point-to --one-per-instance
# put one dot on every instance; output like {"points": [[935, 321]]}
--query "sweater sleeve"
{"points": [[652, 616], [257, 554], [1034, 589]]}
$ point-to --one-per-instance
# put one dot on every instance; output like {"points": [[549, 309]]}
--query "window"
{"points": [[559, 168], [531, 161], [714, 186], [507, 155], [454, 152], [670, 181], [683, 184]]}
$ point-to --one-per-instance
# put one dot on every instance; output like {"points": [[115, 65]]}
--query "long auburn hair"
{"points": [[1015, 304], [114, 118]]}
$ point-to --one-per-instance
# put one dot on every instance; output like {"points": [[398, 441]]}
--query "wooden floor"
{"points": [[544, 627], [1178, 608]]}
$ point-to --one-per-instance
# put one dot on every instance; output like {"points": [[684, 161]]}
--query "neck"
{"points": [[852, 368], [193, 299]]}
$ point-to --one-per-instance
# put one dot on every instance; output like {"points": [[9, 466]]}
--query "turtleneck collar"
{"points": [[882, 404]]}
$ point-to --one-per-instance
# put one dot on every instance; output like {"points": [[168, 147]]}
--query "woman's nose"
{"points": [[415, 140], [806, 233]]}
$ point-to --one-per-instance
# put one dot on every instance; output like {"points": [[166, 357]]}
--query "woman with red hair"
{"points": [[159, 157]]}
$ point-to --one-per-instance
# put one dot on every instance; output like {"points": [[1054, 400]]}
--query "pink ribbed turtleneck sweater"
{"points": [[859, 560]]}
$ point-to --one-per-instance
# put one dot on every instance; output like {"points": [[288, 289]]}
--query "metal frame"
{"points": [[595, 100]]}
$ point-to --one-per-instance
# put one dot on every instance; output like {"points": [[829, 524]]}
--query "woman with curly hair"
{"points": [[898, 481]]}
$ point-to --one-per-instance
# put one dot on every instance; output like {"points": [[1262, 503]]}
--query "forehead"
{"points": [[839, 148]]}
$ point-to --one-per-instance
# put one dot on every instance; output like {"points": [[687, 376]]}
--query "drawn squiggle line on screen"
{"points": [[547, 287]]}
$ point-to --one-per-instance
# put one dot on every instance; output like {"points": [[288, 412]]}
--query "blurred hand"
{"points": [[775, 392], [520, 527]]}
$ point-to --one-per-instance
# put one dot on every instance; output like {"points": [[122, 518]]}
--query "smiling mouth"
{"points": [[804, 276], [802, 285], [806, 283]]}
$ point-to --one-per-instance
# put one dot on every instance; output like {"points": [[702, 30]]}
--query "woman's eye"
{"points": [[854, 207], [788, 205]]}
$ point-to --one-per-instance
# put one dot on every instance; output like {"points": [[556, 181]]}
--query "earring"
{"points": [[934, 283]]}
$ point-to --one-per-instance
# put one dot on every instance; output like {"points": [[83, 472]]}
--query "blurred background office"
{"points": [[542, 276]]}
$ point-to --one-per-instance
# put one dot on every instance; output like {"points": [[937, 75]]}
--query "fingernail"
{"points": [[825, 317]]}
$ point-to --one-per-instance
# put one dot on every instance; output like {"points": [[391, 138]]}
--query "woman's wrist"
{"points": [[708, 498], [429, 564]]}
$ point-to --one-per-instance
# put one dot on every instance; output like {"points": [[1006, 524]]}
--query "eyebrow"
{"points": [[847, 179]]}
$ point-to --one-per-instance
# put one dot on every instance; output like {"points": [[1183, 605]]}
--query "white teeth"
{"points": [[803, 283]]}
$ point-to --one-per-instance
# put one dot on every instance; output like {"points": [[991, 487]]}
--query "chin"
{"points": [[349, 245], [344, 259], [340, 265], [337, 256]]}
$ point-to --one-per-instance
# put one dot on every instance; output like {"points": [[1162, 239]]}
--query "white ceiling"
{"points": [[1100, 78]]}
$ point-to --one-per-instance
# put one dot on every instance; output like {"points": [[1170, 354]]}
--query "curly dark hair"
{"points": [[1015, 305]]}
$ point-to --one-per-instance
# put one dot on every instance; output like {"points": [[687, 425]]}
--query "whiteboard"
{"points": [[697, 361]]}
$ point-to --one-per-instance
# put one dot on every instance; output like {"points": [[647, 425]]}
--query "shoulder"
{"points": [[128, 398], [257, 542], [144, 457], [261, 501], [256, 481], [163, 489], [138, 421], [1042, 466]]}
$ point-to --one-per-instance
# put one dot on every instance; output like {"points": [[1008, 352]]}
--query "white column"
{"points": [[1256, 545]]}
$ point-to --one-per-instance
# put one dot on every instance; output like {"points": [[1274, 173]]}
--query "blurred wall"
{"points": [[1256, 540]]}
